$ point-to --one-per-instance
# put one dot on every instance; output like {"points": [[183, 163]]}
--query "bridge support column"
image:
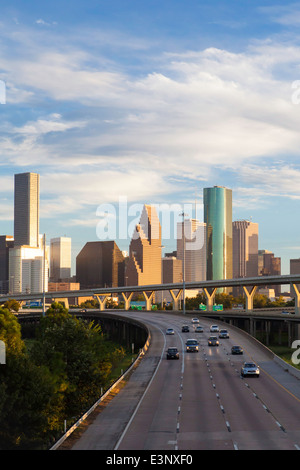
{"points": [[175, 298], [63, 300], [102, 300], [148, 300], [210, 298], [296, 294], [249, 297], [127, 299]]}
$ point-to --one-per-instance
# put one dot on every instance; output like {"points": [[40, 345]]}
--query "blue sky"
{"points": [[153, 101]]}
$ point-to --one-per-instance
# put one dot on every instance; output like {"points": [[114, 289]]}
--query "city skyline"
{"points": [[152, 103]]}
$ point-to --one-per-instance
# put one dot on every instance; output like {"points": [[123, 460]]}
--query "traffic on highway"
{"points": [[227, 395]]}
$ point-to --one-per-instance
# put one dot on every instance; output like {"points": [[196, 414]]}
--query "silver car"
{"points": [[250, 368]]}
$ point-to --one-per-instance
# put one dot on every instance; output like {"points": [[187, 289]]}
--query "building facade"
{"points": [[26, 209], [191, 248], [100, 264], [144, 261], [218, 219], [60, 258], [6, 242], [269, 265], [28, 270]]}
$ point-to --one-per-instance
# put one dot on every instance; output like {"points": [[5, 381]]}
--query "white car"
{"points": [[214, 329], [195, 320], [170, 331], [250, 368], [223, 334]]}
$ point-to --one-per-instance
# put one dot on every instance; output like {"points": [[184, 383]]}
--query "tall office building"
{"points": [[244, 251], [218, 220], [27, 271], [245, 248], [60, 258], [26, 209], [100, 264], [144, 262], [191, 245]]}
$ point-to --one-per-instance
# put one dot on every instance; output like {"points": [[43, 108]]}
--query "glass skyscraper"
{"points": [[218, 218]]}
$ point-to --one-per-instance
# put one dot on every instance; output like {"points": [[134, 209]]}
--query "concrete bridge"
{"points": [[249, 286]]}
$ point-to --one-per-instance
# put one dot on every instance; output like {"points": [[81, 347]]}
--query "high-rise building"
{"points": [[245, 248], [144, 262], [218, 220], [244, 251], [100, 264], [60, 258], [191, 245], [26, 209], [171, 270], [27, 271], [6, 242]]}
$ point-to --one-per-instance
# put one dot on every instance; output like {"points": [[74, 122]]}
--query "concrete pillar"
{"points": [[127, 299], [296, 294], [249, 297], [102, 300], [175, 298], [148, 300], [63, 300], [210, 298]]}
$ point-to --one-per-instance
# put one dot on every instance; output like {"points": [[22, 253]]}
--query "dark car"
{"points": [[237, 350], [185, 329], [192, 345], [172, 353]]}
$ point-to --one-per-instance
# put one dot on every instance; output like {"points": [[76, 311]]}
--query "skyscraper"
{"points": [[60, 258], [26, 209], [193, 234], [218, 220], [245, 248], [144, 262]]}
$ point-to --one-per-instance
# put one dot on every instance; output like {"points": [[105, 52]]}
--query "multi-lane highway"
{"points": [[199, 401]]}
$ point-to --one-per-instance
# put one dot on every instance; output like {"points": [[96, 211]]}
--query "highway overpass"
{"points": [[249, 286]]}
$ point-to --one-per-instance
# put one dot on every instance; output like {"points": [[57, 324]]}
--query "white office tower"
{"points": [[60, 258], [193, 252], [27, 271]]}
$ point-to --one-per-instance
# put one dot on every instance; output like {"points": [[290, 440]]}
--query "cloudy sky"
{"points": [[151, 101]]}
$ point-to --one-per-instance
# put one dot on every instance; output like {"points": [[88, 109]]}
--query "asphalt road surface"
{"points": [[199, 401]]}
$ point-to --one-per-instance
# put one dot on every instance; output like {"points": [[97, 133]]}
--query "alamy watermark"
{"points": [[119, 221]]}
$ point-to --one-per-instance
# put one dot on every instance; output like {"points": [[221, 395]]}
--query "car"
{"points": [[285, 312], [191, 345], [170, 331], [223, 334], [237, 350], [213, 341], [172, 353], [199, 329], [214, 329], [185, 329], [250, 368], [195, 320]]}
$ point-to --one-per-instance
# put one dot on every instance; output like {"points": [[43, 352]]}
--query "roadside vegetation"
{"points": [[52, 378]]}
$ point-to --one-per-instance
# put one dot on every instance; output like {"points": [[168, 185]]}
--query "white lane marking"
{"points": [[141, 399]]}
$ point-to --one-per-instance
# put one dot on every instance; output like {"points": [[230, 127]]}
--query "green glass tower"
{"points": [[218, 218]]}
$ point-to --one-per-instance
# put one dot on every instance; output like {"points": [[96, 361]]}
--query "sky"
{"points": [[150, 102]]}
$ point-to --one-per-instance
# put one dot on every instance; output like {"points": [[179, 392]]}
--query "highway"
{"points": [[199, 402]]}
